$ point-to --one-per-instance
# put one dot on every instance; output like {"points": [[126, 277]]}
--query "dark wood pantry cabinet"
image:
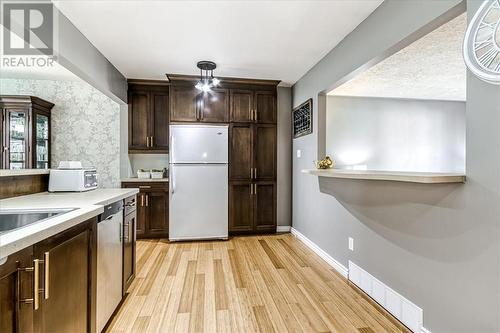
{"points": [[253, 159], [25, 132], [152, 208], [253, 106], [148, 103], [49, 287]]}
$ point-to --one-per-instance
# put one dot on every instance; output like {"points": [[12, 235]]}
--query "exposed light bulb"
{"points": [[205, 87], [215, 81]]}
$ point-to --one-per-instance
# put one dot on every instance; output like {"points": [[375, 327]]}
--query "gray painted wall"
{"points": [[396, 134], [80, 56], [438, 245], [284, 167]]}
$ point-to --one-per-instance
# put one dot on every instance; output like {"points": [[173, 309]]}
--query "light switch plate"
{"points": [[299, 153], [351, 243]]}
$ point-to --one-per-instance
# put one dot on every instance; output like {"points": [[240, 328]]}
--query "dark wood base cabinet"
{"points": [[152, 209], [129, 238], [63, 269]]}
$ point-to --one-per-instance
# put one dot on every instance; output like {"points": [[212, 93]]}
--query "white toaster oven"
{"points": [[72, 180]]}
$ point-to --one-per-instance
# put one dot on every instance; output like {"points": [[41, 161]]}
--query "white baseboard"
{"points": [[283, 228], [325, 256], [344, 271]]}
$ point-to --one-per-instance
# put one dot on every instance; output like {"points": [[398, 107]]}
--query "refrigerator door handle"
{"points": [[171, 147], [171, 168]]}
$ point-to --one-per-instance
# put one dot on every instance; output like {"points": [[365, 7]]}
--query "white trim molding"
{"points": [[325, 256], [344, 271], [283, 228]]}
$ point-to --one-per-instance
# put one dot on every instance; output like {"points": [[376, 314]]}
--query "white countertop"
{"points": [[143, 180], [86, 204], [23, 172], [400, 176]]}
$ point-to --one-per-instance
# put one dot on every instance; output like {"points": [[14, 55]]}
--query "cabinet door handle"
{"points": [[152, 142], [255, 189], [251, 173], [36, 284], [255, 173], [142, 200], [35, 299], [126, 231], [251, 189], [46, 261], [147, 200], [144, 186], [255, 118], [147, 141]]}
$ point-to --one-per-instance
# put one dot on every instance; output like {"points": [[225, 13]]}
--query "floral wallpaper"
{"points": [[85, 124]]}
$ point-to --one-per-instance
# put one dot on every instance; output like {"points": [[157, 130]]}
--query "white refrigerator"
{"points": [[198, 180]]}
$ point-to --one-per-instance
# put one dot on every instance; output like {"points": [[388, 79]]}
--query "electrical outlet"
{"points": [[351, 243], [299, 153]]}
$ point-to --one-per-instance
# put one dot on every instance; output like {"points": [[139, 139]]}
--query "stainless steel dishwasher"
{"points": [[109, 262]]}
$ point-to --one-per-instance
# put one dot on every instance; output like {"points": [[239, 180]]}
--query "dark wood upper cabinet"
{"points": [[184, 103], [159, 121], [265, 152], [215, 106], [253, 106], [266, 107], [241, 207], [17, 138], [25, 132], [138, 120], [16, 285], [241, 106], [241, 151], [148, 118], [265, 206]]}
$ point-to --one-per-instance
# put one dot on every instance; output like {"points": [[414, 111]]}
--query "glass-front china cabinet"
{"points": [[25, 132]]}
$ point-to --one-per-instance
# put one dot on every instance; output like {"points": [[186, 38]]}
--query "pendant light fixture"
{"points": [[207, 80]]}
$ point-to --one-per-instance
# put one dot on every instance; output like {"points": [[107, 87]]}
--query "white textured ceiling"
{"points": [[430, 68], [278, 40]]}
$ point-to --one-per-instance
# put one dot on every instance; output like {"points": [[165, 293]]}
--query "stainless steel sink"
{"points": [[14, 219]]}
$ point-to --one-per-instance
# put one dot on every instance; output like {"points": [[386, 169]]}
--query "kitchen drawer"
{"points": [[146, 185]]}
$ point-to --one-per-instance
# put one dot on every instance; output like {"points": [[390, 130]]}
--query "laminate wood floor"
{"points": [[247, 284]]}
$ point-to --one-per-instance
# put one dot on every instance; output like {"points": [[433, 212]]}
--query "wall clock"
{"points": [[482, 42]]}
